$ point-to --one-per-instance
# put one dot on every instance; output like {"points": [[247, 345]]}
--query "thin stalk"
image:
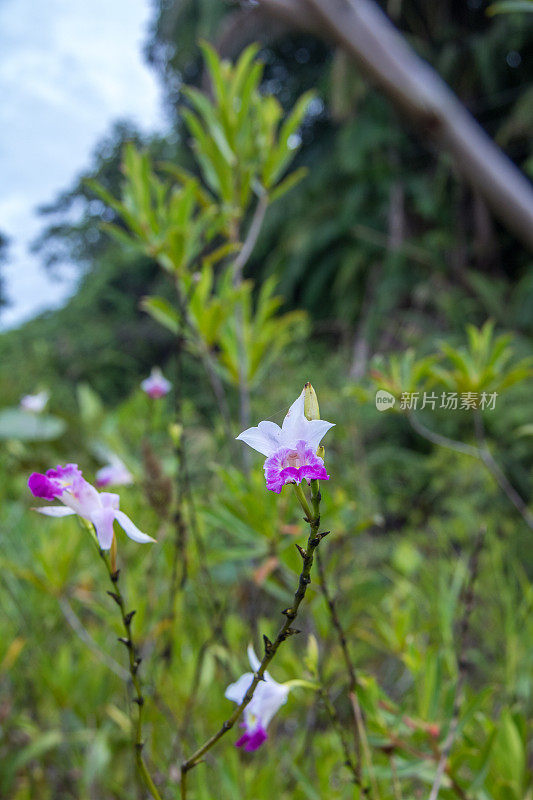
{"points": [[78, 628], [364, 744], [350, 668], [483, 454], [498, 474], [271, 648], [336, 723], [207, 361], [179, 555], [439, 439], [134, 661], [238, 267], [464, 627]]}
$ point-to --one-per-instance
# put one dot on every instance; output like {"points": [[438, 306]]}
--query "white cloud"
{"points": [[68, 70]]}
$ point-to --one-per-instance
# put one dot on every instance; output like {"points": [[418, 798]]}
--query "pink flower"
{"points": [[36, 403], [291, 449], [115, 473], [68, 485], [268, 697], [156, 385]]}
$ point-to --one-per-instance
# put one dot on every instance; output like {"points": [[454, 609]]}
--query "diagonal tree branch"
{"points": [[362, 29]]}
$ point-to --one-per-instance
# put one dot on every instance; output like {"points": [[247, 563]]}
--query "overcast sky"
{"points": [[68, 69]]}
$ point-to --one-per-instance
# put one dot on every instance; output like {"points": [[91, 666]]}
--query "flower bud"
{"points": [[311, 409], [311, 655], [175, 431]]}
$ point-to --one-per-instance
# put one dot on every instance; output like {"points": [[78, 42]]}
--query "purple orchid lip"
{"points": [[293, 466], [55, 482], [252, 741], [41, 486]]}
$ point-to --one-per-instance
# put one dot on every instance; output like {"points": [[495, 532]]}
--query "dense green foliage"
{"points": [[383, 256]]}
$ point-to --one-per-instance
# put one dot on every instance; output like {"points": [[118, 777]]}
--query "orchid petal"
{"points": [[252, 658], [130, 529], [267, 700], [102, 519], [255, 663], [294, 425], [259, 439], [55, 511], [271, 431], [237, 690], [316, 430], [115, 473], [110, 500]]}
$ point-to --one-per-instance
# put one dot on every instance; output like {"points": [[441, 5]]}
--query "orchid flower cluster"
{"points": [[78, 496], [291, 451], [291, 458]]}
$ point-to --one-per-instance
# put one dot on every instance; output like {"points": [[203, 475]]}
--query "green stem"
{"points": [[284, 632], [302, 499], [352, 676], [336, 723], [134, 662]]}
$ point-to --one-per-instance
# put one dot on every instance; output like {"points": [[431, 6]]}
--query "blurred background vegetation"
{"points": [[391, 256]]}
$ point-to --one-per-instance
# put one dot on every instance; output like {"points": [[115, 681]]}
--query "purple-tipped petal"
{"points": [[67, 475], [311, 472], [252, 741], [274, 485], [242, 740], [290, 475], [256, 739]]}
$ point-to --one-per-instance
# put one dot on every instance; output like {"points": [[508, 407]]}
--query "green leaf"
{"points": [[90, 405], [35, 750], [288, 183], [161, 310], [508, 757], [18, 424], [510, 7]]}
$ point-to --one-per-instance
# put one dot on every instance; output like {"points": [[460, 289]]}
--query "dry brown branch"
{"points": [[362, 29]]}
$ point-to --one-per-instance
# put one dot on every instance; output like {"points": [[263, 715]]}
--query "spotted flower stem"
{"points": [[134, 662], [286, 630]]}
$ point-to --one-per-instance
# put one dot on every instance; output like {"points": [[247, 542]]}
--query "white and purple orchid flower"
{"points": [[268, 698], [36, 403], [115, 473], [156, 385], [68, 485], [291, 449]]}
